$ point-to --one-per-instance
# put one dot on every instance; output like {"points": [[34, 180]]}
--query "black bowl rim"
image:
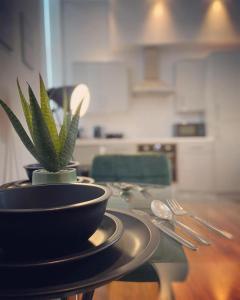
{"points": [[104, 197]]}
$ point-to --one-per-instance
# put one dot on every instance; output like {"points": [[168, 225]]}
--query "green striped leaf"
{"points": [[69, 144], [26, 108], [66, 121], [64, 130], [65, 101], [20, 130], [41, 136], [48, 116]]}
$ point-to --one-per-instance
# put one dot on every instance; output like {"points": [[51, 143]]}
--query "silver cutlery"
{"points": [[178, 210], [166, 230], [162, 211], [124, 186]]}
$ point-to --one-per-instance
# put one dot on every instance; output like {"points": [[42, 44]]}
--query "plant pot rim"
{"points": [[107, 193], [43, 176], [65, 170]]}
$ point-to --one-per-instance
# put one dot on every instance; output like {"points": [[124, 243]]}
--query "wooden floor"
{"points": [[214, 272]]}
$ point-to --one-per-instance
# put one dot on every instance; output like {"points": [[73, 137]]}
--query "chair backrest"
{"points": [[142, 168]]}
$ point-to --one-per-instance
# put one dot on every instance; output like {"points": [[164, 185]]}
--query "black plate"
{"points": [[106, 235], [137, 244]]}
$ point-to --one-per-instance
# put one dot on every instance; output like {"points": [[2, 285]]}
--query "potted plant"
{"points": [[52, 149]]}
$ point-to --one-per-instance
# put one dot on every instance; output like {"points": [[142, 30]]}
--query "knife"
{"points": [[173, 235], [166, 230]]}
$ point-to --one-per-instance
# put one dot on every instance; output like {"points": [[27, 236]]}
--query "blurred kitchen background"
{"points": [[164, 76]]}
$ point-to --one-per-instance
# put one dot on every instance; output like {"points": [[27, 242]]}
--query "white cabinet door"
{"points": [[190, 85], [227, 161], [195, 166], [223, 96], [107, 82], [227, 168], [224, 85]]}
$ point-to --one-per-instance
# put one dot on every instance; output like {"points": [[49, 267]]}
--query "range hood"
{"points": [[151, 82]]}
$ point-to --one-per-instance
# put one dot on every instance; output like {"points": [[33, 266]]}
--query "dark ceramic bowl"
{"points": [[33, 167], [50, 214]]}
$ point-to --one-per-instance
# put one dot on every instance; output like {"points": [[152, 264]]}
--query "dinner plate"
{"points": [[106, 235], [137, 244]]}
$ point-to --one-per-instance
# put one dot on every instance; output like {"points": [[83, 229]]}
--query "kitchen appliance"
{"points": [[114, 135], [97, 132], [170, 150], [189, 129]]}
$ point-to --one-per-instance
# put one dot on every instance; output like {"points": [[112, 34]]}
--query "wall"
{"points": [[87, 36], [146, 115], [173, 22], [12, 153], [55, 50], [85, 33]]}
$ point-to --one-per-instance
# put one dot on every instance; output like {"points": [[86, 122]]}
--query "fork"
{"points": [[178, 210]]}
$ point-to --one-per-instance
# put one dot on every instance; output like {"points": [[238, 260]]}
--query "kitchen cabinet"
{"points": [[195, 166], [108, 84], [223, 90], [190, 85]]}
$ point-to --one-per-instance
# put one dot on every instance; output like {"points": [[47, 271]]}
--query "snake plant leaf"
{"points": [[66, 120], [65, 101], [26, 108], [48, 116], [20, 130], [64, 129], [69, 144], [41, 136]]}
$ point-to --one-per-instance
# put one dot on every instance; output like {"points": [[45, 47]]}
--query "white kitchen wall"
{"points": [[170, 22], [87, 37], [13, 154], [146, 115], [85, 33]]}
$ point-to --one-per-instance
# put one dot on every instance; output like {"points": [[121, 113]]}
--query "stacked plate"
{"points": [[108, 233], [121, 243], [122, 231]]}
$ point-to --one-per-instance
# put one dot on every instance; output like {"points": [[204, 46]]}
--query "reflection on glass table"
{"points": [[169, 260]]}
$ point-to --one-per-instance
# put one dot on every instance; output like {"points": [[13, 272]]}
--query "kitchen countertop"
{"points": [[163, 140]]}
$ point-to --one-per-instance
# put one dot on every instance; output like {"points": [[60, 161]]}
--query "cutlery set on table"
{"points": [[162, 215]]}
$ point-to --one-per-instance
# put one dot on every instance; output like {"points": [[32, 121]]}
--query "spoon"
{"points": [[162, 211]]}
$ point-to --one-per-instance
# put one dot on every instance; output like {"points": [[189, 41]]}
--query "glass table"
{"points": [[168, 264]]}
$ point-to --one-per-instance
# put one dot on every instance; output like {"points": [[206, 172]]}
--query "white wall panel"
{"points": [[13, 154]]}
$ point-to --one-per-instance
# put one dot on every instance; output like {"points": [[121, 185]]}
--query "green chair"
{"points": [[153, 169], [143, 168]]}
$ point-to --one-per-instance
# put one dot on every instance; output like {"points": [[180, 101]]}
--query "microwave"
{"points": [[189, 129]]}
